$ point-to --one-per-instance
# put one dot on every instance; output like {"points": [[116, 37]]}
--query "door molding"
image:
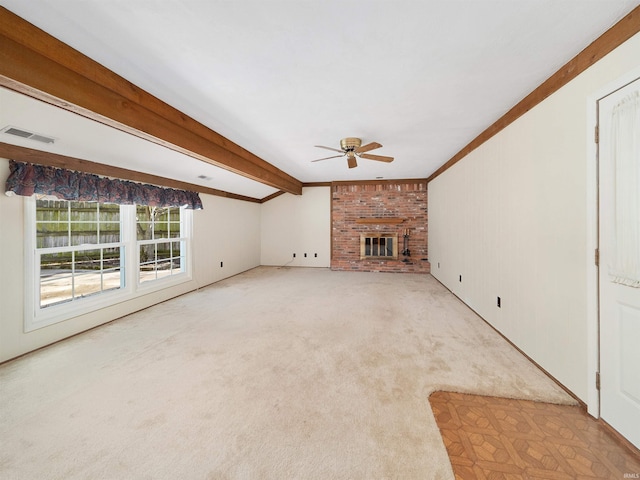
{"points": [[592, 284]]}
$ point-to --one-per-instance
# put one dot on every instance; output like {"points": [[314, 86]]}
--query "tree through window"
{"points": [[160, 242]]}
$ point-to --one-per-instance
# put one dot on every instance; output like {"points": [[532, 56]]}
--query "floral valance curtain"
{"points": [[26, 179]]}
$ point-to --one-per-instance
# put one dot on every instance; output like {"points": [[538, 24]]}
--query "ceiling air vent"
{"points": [[19, 132]]}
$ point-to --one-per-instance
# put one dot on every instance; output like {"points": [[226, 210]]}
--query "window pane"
{"points": [[111, 257], [174, 230], [52, 227], [164, 269], [147, 271], [160, 229], [109, 212], [177, 263], [55, 288], [175, 249], [58, 262], [109, 233], [147, 253], [162, 215], [86, 284], [144, 231], [55, 278], [52, 210], [163, 251], [50, 235], [112, 279], [88, 260], [147, 263], [84, 233], [84, 211], [143, 213]]}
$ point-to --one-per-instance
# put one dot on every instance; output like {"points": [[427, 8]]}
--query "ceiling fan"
{"points": [[352, 148]]}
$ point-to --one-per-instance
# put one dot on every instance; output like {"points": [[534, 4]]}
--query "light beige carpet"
{"points": [[278, 373]]}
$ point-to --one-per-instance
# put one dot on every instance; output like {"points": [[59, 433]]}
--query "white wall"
{"points": [[297, 224], [511, 218], [225, 231]]}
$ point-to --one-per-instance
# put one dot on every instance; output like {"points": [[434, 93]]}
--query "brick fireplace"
{"points": [[364, 211]]}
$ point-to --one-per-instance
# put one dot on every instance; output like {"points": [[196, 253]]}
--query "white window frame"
{"points": [[36, 317], [183, 239]]}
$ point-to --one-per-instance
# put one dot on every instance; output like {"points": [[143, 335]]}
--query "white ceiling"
{"points": [[277, 77]]}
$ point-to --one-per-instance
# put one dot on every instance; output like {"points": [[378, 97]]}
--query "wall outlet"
{"points": [[294, 255], [305, 255], [315, 255]]}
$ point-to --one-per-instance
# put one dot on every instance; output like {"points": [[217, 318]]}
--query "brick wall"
{"points": [[386, 199]]}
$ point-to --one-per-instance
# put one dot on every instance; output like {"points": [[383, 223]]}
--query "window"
{"points": [[89, 255], [78, 250], [160, 242], [378, 246]]}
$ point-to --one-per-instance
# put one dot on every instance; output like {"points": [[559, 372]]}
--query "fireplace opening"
{"points": [[378, 246]]}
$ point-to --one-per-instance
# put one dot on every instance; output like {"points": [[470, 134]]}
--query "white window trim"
{"points": [[36, 317], [171, 280]]}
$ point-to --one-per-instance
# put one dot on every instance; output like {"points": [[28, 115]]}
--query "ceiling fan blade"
{"points": [[329, 148], [327, 158], [367, 147], [351, 161], [379, 158]]}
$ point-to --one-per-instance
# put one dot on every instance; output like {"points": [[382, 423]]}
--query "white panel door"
{"points": [[619, 303]]}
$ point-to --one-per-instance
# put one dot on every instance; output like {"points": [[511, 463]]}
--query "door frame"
{"points": [[593, 295]]}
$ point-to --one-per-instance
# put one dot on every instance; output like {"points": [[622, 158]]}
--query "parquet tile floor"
{"points": [[491, 438]]}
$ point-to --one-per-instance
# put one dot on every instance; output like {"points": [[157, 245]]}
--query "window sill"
{"points": [[62, 312]]}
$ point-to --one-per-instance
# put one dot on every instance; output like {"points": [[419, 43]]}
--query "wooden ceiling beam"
{"points": [[30, 155], [36, 64]]}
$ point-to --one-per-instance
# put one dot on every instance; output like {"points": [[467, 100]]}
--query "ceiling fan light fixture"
{"points": [[349, 144], [352, 147]]}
